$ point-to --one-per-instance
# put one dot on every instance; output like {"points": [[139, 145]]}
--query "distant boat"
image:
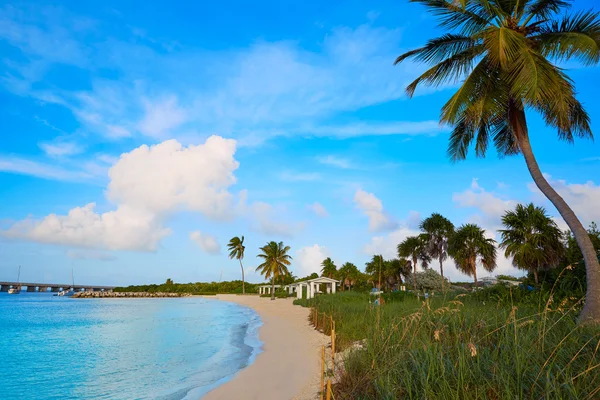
{"points": [[16, 290]]}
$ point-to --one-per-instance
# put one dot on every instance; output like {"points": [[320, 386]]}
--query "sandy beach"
{"points": [[288, 367]]}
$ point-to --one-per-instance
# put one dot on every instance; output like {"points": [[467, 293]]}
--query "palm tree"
{"points": [[396, 269], [415, 248], [276, 260], [439, 229], [373, 267], [505, 51], [469, 247], [236, 250], [347, 274], [329, 269], [531, 238]]}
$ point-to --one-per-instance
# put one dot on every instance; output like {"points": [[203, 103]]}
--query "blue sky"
{"points": [[139, 137]]}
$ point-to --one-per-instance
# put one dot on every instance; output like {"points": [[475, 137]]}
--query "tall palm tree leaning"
{"points": [[469, 247], [439, 229], [236, 250], [415, 247], [329, 269], [531, 238], [504, 50], [276, 260]]}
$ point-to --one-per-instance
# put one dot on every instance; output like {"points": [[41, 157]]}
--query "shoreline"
{"points": [[288, 366]]}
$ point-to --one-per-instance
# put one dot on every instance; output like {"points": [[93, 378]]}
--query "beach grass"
{"points": [[461, 347]]}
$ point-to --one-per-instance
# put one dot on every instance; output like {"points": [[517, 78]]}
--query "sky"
{"points": [[139, 137]]}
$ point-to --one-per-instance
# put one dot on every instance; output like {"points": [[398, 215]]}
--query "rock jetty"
{"points": [[112, 295]]}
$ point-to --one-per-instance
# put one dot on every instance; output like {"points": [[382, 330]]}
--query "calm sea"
{"points": [[61, 348]]}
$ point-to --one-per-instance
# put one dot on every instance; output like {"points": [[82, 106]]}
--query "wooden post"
{"points": [[332, 349], [322, 387], [328, 389]]}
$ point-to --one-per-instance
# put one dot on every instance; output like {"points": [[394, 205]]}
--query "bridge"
{"points": [[53, 287]]}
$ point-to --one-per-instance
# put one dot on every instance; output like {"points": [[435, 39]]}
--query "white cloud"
{"points": [[410, 128], [90, 255], [490, 206], [161, 117], [146, 184], [299, 176], [61, 149], [168, 176], [208, 243], [372, 207], [335, 161], [253, 93], [388, 245], [318, 209], [583, 198], [126, 228], [308, 259], [107, 159], [42, 170], [267, 220], [413, 220]]}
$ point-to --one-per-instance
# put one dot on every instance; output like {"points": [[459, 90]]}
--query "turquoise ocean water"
{"points": [[61, 348]]}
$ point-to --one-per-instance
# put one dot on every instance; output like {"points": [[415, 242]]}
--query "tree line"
{"points": [[530, 238]]}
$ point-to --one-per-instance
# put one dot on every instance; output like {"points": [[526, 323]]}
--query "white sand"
{"points": [[288, 367]]}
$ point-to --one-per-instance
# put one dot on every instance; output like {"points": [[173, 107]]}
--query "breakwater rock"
{"points": [[113, 295]]}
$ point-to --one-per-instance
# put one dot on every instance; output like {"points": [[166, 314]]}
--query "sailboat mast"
{"points": [[19, 275]]}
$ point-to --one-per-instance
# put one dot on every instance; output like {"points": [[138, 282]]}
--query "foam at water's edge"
{"points": [[245, 338]]}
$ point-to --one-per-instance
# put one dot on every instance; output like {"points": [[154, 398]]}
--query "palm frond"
{"points": [[575, 36], [451, 69], [439, 49], [467, 19], [544, 9]]}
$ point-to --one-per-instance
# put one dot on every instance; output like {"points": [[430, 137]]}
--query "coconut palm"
{"points": [[396, 269], [531, 238], [329, 269], [276, 260], [415, 248], [505, 51], [373, 267], [236, 250], [469, 247], [439, 230], [348, 273]]}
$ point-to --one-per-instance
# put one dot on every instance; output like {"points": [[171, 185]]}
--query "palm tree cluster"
{"points": [[531, 238], [504, 53]]}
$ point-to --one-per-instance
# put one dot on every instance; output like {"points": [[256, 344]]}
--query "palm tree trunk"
{"points": [[442, 272], [475, 275], [591, 309], [535, 275], [243, 282], [273, 288], [415, 273]]}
